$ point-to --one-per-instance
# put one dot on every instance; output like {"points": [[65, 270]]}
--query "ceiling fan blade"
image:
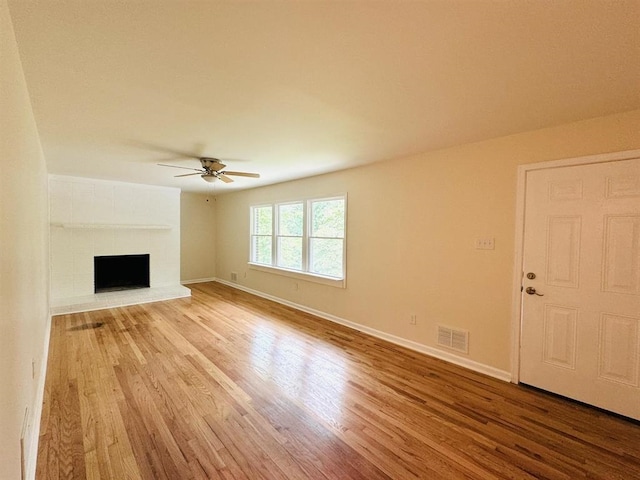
{"points": [[224, 178], [187, 174], [176, 166], [242, 174]]}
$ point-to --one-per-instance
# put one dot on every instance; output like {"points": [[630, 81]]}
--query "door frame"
{"points": [[518, 272]]}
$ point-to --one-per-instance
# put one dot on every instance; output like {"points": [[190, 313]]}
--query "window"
{"points": [[306, 236], [262, 234], [326, 237], [289, 236]]}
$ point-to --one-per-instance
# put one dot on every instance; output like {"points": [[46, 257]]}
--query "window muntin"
{"points": [[305, 236]]}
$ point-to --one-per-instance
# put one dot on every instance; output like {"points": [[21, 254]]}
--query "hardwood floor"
{"points": [[228, 385]]}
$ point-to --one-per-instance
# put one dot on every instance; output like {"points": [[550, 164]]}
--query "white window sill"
{"points": [[306, 276]]}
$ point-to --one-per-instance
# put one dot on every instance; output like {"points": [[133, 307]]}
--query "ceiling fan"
{"points": [[212, 169]]}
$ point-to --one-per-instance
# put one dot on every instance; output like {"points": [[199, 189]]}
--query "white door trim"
{"points": [[516, 313]]}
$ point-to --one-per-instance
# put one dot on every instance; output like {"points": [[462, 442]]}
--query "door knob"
{"points": [[532, 291]]}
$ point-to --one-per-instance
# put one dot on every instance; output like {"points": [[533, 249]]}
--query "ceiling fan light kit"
{"points": [[212, 170]]}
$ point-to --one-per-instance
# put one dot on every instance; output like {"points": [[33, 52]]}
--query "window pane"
{"points": [[261, 250], [327, 218], [290, 252], [262, 220], [290, 217], [326, 257]]}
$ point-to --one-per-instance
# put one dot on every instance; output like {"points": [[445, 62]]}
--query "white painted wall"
{"points": [[24, 263], [110, 205], [412, 226], [198, 234]]}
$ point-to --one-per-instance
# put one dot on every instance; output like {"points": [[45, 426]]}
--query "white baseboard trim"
{"points": [[34, 435], [198, 280], [403, 342]]}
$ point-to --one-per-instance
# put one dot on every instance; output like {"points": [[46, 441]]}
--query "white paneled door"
{"points": [[580, 333]]}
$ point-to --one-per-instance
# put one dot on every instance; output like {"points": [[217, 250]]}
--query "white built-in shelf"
{"points": [[114, 226]]}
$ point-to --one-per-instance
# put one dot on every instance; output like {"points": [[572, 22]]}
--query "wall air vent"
{"points": [[454, 339]]}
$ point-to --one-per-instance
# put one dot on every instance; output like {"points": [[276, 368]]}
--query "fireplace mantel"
{"points": [[112, 226]]}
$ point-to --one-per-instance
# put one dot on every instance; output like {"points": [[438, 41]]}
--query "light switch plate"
{"points": [[485, 243]]}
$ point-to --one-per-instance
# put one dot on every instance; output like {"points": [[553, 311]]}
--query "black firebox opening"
{"points": [[120, 272]]}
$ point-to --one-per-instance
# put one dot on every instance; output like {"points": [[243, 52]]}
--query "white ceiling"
{"points": [[296, 88]]}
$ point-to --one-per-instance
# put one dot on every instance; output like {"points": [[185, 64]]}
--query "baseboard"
{"points": [[198, 280], [403, 342], [34, 434]]}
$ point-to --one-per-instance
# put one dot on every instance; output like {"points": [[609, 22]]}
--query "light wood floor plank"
{"points": [[227, 385]]}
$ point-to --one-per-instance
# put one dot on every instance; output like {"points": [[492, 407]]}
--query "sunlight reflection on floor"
{"points": [[312, 375]]}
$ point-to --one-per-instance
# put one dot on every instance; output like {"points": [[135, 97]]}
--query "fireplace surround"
{"points": [[91, 218]]}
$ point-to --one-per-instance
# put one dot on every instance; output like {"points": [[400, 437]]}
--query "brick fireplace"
{"points": [[96, 218]]}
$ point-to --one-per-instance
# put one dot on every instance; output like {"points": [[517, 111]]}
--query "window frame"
{"points": [[253, 235], [303, 274]]}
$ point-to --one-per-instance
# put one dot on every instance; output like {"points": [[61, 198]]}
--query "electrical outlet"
{"points": [[33, 368], [485, 243], [413, 319], [296, 286]]}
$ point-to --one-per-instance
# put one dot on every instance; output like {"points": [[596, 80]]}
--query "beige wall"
{"points": [[197, 238], [412, 223], [24, 269]]}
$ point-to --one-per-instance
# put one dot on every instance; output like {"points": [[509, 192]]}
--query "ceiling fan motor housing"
{"points": [[211, 164]]}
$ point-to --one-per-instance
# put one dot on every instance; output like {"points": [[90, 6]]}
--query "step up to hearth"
{"points": [[121, 298]]}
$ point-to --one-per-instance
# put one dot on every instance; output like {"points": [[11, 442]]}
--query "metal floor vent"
{"points": [[454, 339]]}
